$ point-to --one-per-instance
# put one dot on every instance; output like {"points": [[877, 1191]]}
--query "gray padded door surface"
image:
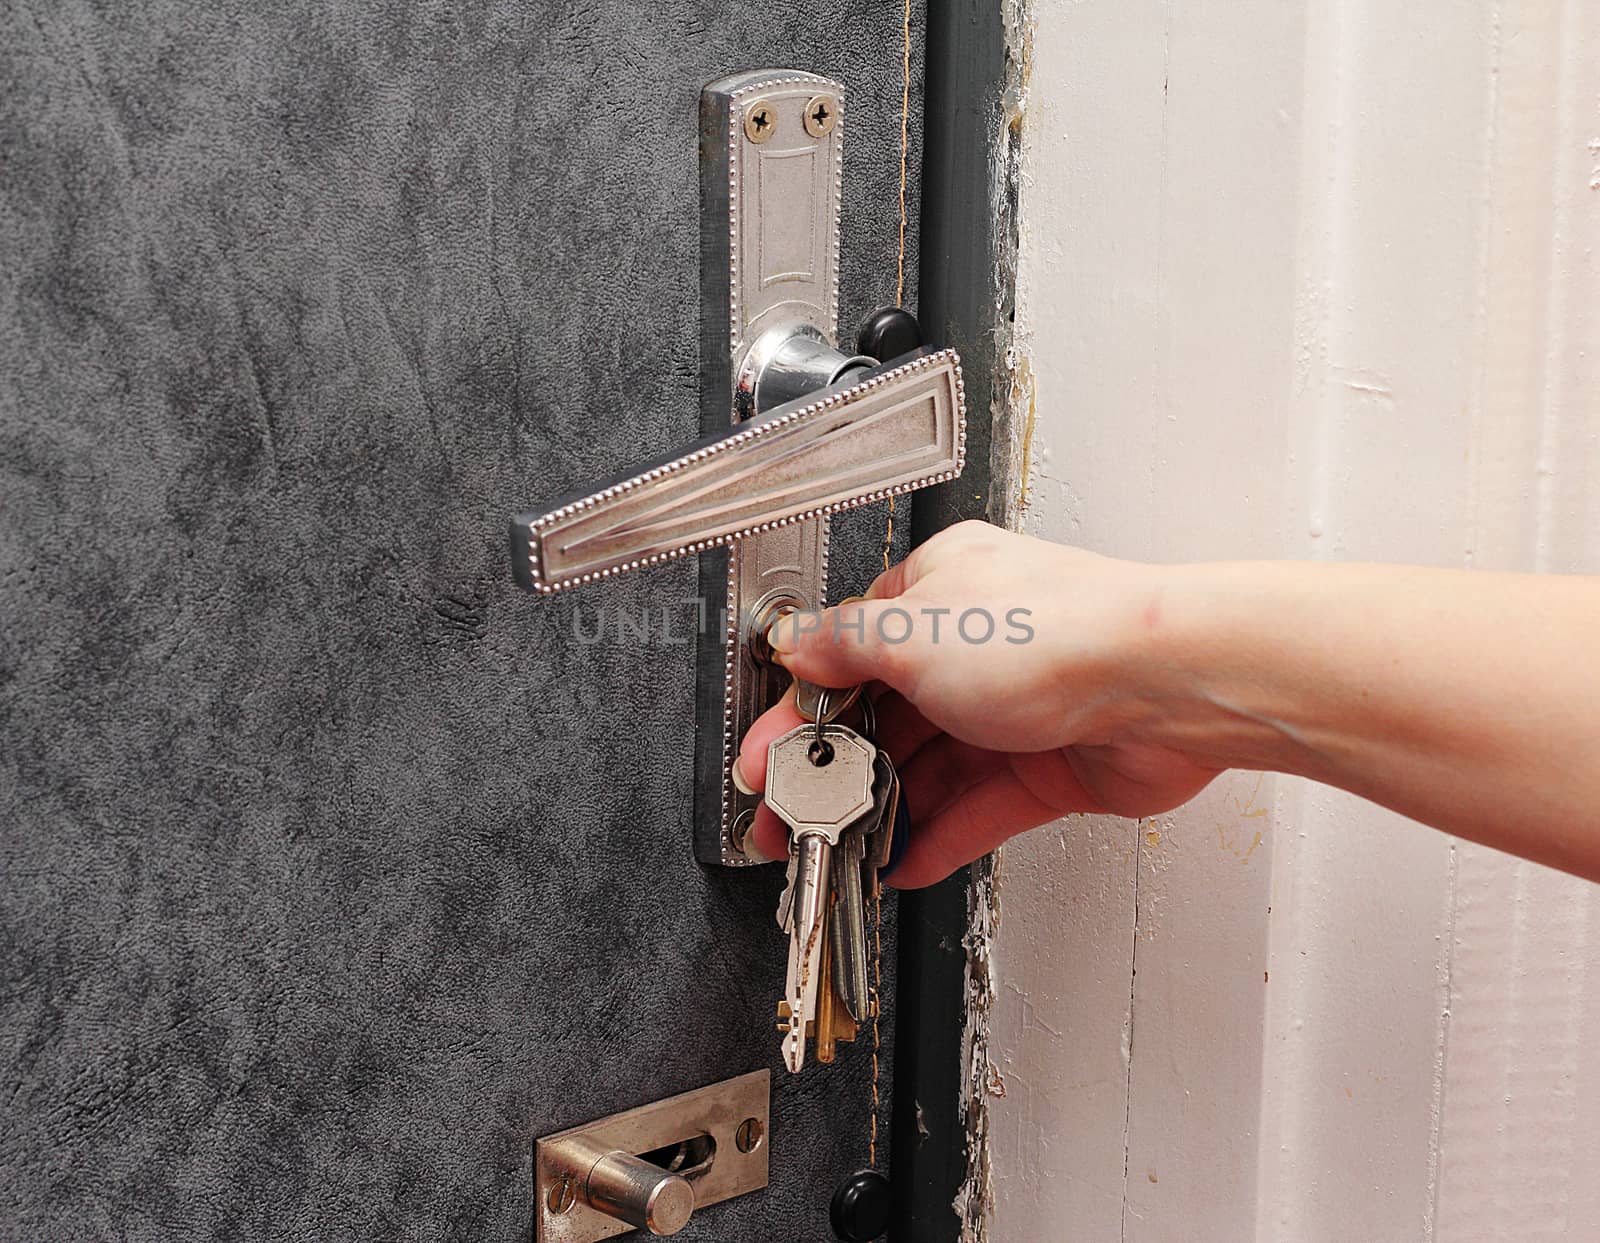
{"points": [[333, 871]]}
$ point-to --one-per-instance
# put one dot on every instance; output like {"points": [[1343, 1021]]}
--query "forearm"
{"points": [[1468, 701]]}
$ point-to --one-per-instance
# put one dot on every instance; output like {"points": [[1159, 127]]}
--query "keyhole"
{"points": [[820, 753]]}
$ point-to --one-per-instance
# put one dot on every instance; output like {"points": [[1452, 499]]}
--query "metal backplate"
{"points": [[732, 1112], [769, 258]]}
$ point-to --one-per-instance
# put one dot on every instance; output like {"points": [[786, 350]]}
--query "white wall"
{"points": [[1308, 279]]}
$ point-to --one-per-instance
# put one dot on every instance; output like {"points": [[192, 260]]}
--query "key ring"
{"points": [[869, 717], [822, 714]]}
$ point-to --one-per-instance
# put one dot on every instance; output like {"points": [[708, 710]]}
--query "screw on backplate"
{"points": [[563, 1195], [749, 1135], [759, 121], [821, 113]]}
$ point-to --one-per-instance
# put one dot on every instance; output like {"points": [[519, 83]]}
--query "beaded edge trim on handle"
{"points": [[537, 528]]}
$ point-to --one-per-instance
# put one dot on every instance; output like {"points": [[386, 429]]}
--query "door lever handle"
{"points": [[794, 428], [881, 431]]}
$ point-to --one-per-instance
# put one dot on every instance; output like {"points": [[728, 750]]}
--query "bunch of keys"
{"points": [[839, 795]]}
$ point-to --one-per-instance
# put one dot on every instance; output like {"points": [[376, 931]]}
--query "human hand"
{"points": [[1011, 688]]}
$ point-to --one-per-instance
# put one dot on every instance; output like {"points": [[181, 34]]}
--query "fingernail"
{"points": [[740, 784]]}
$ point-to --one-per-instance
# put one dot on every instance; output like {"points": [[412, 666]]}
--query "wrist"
{"points": [[1208, 663]]}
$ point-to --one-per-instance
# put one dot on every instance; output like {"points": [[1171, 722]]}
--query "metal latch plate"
{"points": [[734, 1113]]}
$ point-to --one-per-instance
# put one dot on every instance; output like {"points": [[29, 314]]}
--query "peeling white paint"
{"points": [[1317, 281], [981, 1080], [1011, 413]]}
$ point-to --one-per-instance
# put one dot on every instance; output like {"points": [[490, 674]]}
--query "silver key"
{"points": [[808, 925], [786, 898], [819, 779], [819, 782], [880, 835], [848, 925], [866, 844]]}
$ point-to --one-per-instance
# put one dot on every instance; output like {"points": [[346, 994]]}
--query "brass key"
{"points": [[832, 1025]]}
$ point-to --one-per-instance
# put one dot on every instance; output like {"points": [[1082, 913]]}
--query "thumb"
{"points": [[857, 641]]}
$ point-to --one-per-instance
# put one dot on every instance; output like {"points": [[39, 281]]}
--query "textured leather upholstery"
{"points": [[333, 871]]}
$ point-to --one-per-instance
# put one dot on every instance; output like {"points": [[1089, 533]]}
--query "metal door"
{"points": [[335, 869]]}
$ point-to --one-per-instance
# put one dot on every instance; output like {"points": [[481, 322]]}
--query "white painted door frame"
{"points": [[1313, 280]]}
